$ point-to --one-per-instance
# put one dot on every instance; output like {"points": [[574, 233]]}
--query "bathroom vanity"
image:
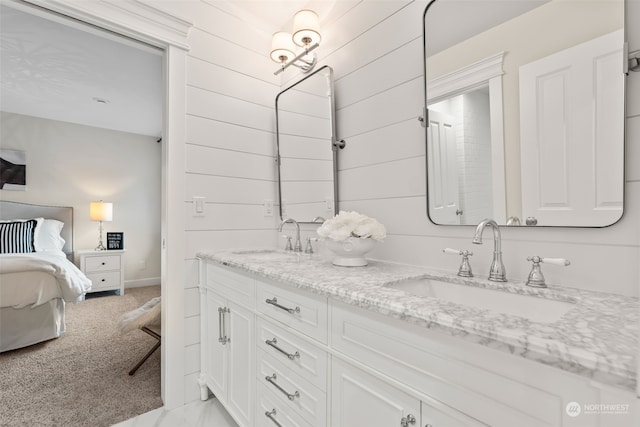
{"points": [[292, 340]]}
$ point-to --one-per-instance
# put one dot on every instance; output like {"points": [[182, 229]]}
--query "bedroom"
{"points": [[77, 150]]}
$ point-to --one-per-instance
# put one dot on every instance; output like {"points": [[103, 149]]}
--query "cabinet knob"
{"points": [[104, 263], [409, 419]]}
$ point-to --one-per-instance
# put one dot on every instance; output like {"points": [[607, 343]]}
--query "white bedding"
{"points": [[36, 278]]}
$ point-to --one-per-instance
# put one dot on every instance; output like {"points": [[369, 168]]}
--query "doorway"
{"points": [[163, 31]]}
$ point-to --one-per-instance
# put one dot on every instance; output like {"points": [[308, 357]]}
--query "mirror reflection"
{"points": [[306, 158], [525, 111]]}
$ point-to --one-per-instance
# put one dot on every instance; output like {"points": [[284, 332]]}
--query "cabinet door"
{"points": [[359, 399], [216, 354], [436, 414], [241, 381]]}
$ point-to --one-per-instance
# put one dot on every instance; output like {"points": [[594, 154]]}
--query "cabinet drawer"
{"points": [[106, 280], [270, 411], [435, 365], [101, 263], [306, 313], [302, 357], [291, 390], [236, 287]]}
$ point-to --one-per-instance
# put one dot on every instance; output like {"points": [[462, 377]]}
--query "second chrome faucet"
{"points": [[497, 272], [297, 247]]}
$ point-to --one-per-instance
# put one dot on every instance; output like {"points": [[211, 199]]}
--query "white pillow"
{"points": [[47, 238]]}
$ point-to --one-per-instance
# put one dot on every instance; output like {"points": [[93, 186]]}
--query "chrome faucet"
{"points": [[297, 247], [497, 271]]}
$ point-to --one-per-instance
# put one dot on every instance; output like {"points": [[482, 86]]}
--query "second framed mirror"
{"points": [[306, 142]]}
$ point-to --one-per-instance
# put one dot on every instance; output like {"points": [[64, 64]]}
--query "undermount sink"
{"points": [[534, 308], [256, 251], [267, 254]]}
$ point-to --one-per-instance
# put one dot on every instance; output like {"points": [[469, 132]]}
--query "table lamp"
{"points": [[101, 211]]}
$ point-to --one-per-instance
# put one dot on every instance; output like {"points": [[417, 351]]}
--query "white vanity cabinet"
{"points": [[461, 382], [294, 358], [227, 340]]}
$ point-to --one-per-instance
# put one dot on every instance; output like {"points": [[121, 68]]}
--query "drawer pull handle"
{"points": [[272, 416], [274, 301], [221, 325], [104, 263], [274, 343], [103, 280], [272, 379]]}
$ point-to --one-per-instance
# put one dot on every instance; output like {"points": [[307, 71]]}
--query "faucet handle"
{"points": [[536, 278], [289, 246], [556, 261], [465, 268], [309, 248]]}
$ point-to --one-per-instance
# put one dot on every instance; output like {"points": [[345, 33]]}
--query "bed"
{"points": [[37, 277]]}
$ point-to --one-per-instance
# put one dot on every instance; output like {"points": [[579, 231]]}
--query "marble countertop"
{"points": [[596, 338]]}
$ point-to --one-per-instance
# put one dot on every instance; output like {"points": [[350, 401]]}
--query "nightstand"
{"points": [[105, 269]]}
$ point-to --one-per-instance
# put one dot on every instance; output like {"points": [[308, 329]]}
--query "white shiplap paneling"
{"points": [[238, 190], [379, 188], [230, 140], [224, 162], [218, 134], [375, 49], [228, 109]]}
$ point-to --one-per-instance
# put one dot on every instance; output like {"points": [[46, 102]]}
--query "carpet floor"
{"points": [[81, 378]]}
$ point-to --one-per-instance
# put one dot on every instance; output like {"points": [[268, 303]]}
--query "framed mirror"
{"points": [[306, 148], [525, 111]]}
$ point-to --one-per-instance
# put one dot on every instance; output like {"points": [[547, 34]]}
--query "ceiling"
{"points": [[60, 69], [75, 73]]}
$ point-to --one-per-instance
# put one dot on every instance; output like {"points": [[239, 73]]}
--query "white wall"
{"points": [[375, 50], [73, 165], [230, 148], [379, 95]]}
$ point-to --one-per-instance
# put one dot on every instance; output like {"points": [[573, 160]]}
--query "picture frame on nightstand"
{"points": [[115, 240]]}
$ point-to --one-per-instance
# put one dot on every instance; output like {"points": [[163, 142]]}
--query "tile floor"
{"points": [[195, 414]]}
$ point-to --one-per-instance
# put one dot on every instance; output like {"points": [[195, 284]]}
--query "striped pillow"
{"points": [[17, 237]]}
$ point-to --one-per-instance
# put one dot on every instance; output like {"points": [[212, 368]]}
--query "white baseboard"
{"points": [[138, 283]]}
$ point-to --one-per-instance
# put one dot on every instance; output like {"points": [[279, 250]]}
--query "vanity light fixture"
{"points": [[306, 34]]}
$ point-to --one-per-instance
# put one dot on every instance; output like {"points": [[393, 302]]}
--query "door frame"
{"points": [[149, 23], [487, 71]]}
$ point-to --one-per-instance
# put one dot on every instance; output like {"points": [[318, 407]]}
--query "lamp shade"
{"points": [[306, 28], [282, 47], [101, 211]]}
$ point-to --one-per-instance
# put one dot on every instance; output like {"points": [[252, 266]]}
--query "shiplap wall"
{"points": [[379, 95], [375, 49], [230, 147]]}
